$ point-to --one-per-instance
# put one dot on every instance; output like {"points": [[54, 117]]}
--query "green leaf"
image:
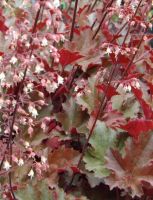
{"points": [[126, 104], [90, 98], [72, 116], [102, 139], [40, 191]]}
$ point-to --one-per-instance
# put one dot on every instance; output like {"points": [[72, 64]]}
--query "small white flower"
{"points": [[128, 88], [20, 162], [1, 58], [76, 88], [118, 3], [33, 111], [43, 159], [32, 58], [39, 69], [14, 103], [108, 50], [21, 74], [44, 42], [60, 80], [117, 51], [28, 88], [1, 103], [6, 165], [79, 94], [2, 77], [24, 37], [31, 173], [43, 126], [56, 3], [51, 86], [26, 144], [137, 84], [13, 60], [27, 44]]}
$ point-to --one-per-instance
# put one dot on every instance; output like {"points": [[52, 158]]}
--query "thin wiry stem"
{"points": [[73, 20], [128, 31], [94, 4], [103, 18], [9, 144]]}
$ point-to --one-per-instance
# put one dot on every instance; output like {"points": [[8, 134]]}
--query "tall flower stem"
{"points": [[73, 20], [9, 144]]}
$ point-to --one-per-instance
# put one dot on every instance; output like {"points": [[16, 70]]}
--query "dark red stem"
{"points": [[73, 20], [103, 18]]}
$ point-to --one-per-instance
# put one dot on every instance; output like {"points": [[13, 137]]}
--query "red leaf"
{"points": [[41, 25], [3, 28], [147, 110], [61, 170], [150, 85], [46, 65], [52, 125], [137, 126], [109, 93], [75, 170], [1, 53], [67, 57]]}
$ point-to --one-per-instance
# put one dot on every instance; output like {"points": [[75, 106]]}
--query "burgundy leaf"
{"points": [[147, 110], [3, 27], [75, 169], [111, 91], [137, 126], [67, 57]]}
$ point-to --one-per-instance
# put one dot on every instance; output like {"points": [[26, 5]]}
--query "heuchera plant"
{"points": [[76, 87]]}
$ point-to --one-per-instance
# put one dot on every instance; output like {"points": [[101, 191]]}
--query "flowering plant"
{"points": [[76, 99]]}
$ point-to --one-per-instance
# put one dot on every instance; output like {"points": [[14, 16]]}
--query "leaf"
{"points": [[39, 191], [89, 99], [113, 119], [60, 160], [72, 116], [137, 126], [111, 91], [126, 104], [147, 110], [84, 44], [67, 57], [102, 139], [3, 27], [63, 157], [131, 171]]}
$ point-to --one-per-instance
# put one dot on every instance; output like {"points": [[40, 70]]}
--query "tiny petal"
{"points": [[44, 42], [26, 144], [13, 60], [108, 50], [6, 165], [137, 84], [38, 69], [31, 173], [20, 162], [56, 3], [33, 111], [43, 159], [60, 80], [2, 77]]}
